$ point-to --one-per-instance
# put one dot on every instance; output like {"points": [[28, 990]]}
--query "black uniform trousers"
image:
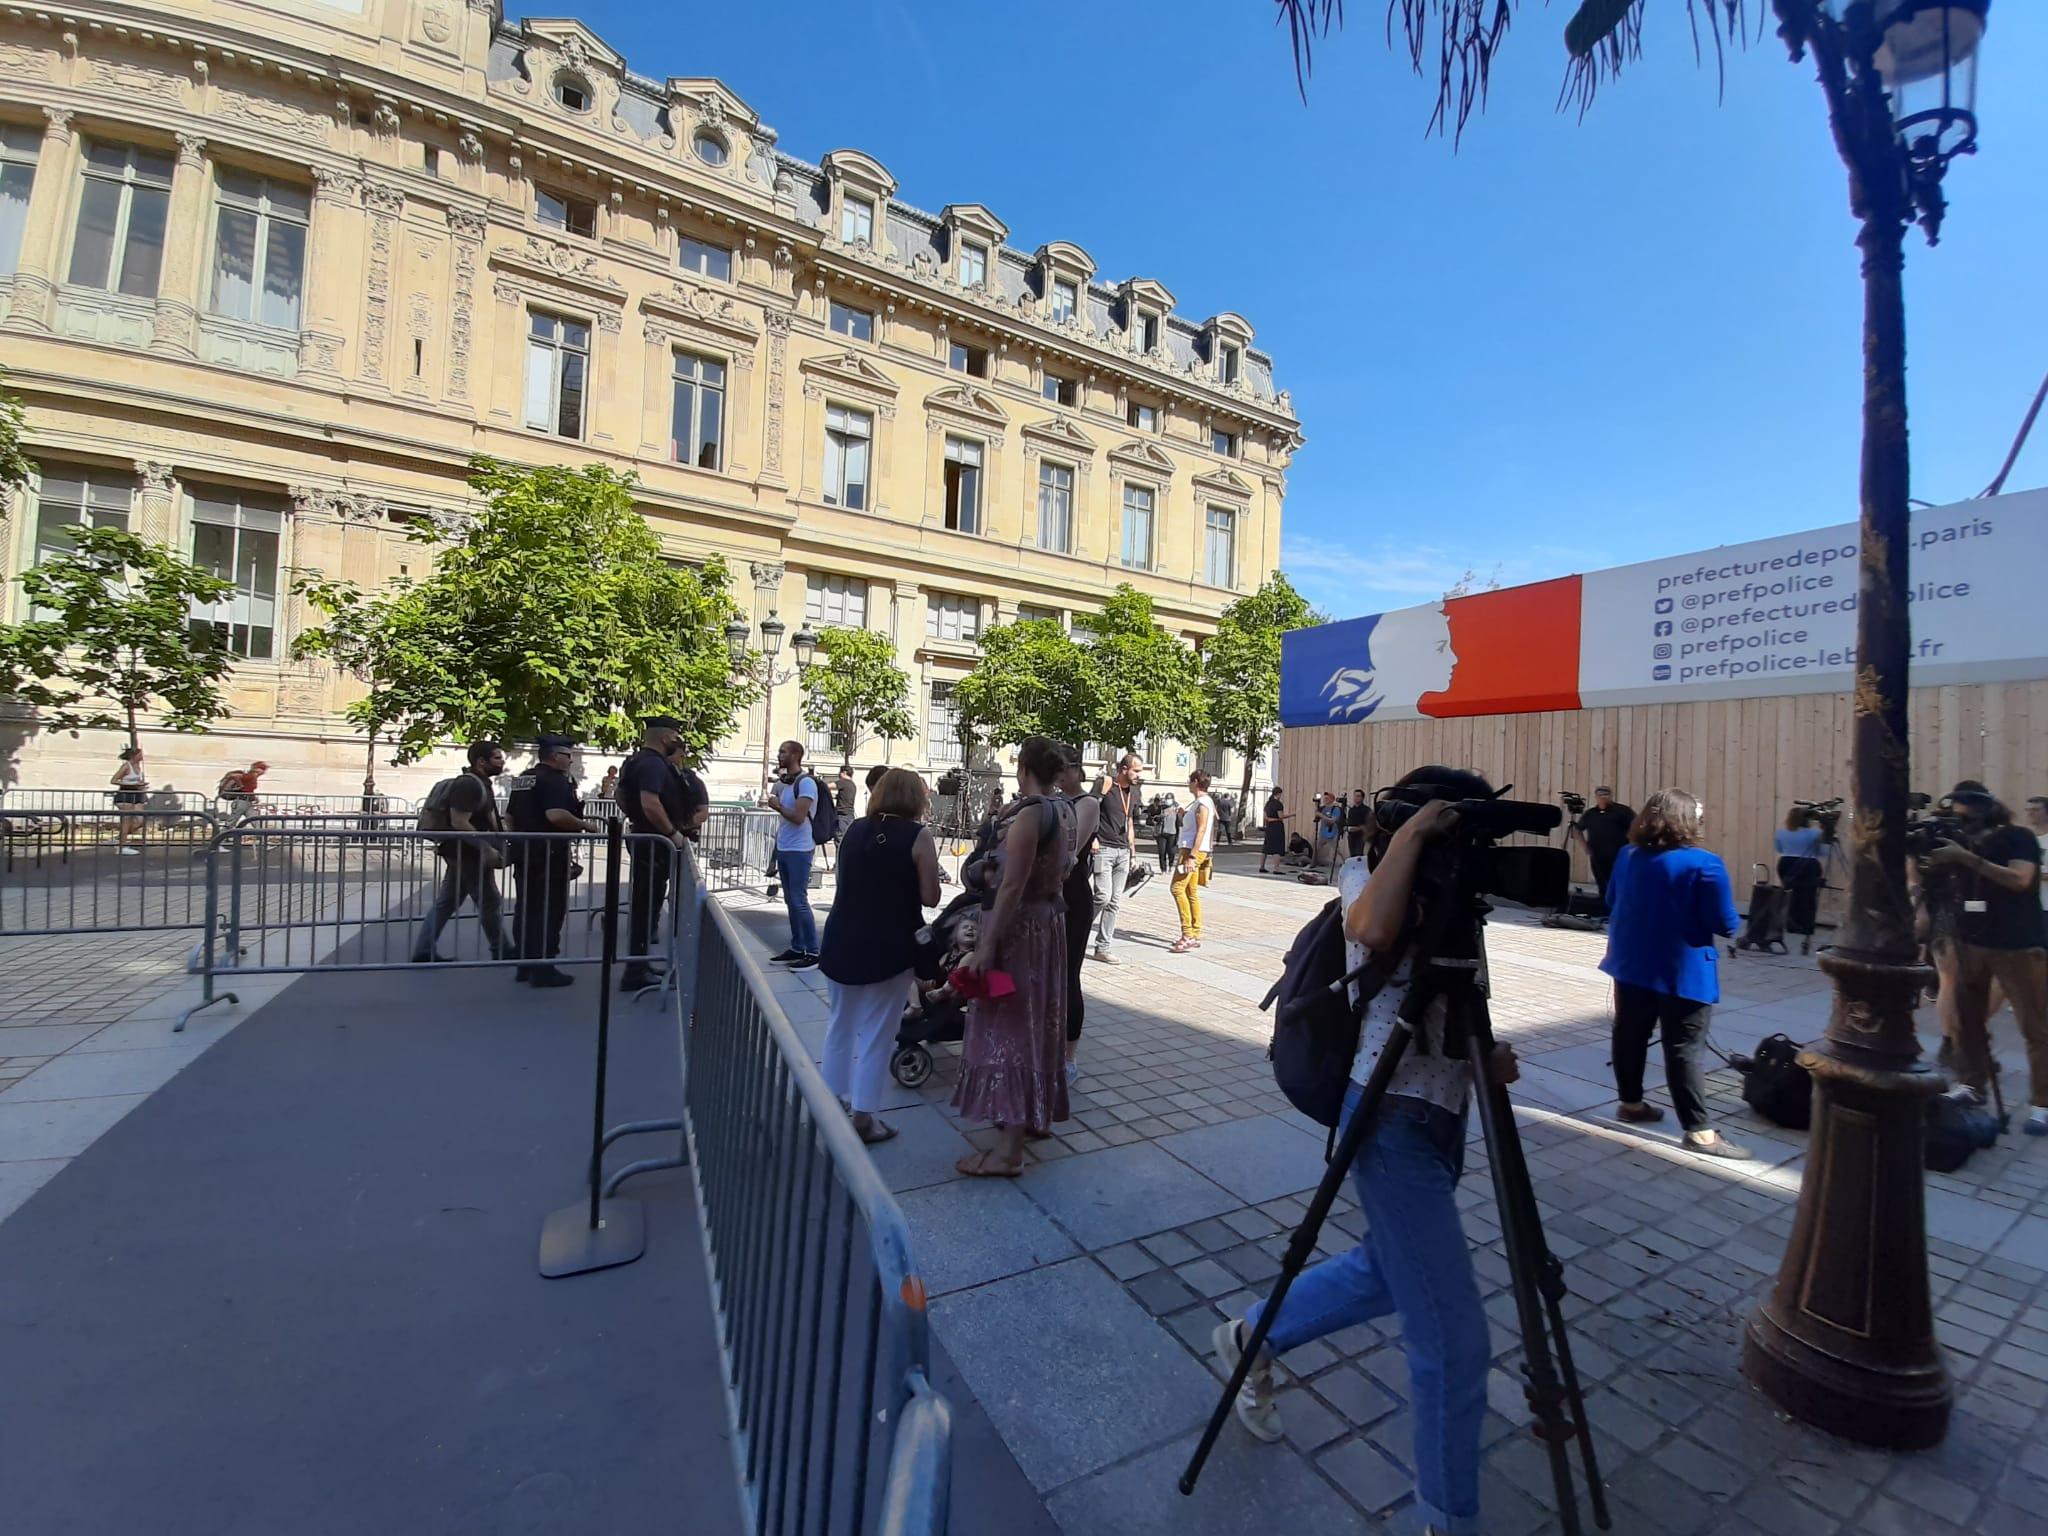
{"points": [[651, 865], [541, 869]]}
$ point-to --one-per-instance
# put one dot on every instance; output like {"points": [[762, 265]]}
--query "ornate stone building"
{"points": [[270, 273]]}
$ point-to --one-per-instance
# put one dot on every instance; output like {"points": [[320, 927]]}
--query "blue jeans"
{"points": [[1412, 1260], [794, 871]]}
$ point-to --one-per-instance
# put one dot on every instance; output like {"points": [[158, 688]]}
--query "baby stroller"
{"points": [[1764, 929], [936, 1014]]}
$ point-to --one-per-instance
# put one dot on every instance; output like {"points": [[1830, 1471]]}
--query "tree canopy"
{"points": [[111, 633], [550, 609], [1031, 680], [1241, 667], [14, 464], [1147, 682], [855, 690]]}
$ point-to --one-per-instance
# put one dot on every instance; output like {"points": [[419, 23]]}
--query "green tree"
{"points": [[111, 633], [550, 609], [355, 638], [14, 464], [1241, 669], [855, 690], [1032, 679], [1147, 682]]}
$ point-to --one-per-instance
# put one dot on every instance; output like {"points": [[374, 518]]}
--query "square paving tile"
{"points": [[2027, 1243], [1257, 1160], [971, 1231], [923, 1151], [1244, 1487], [1125, 1192], [96, 1074], [1073, 1373], [57, 1127]]}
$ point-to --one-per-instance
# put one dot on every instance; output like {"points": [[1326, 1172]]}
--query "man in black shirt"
{"points": [[471, 861], [1604, 825], [658, 804], [1357, 822], [1109, 866], [1991, 886], [546, 803]]}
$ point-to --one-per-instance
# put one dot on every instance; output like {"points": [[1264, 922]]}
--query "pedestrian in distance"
{"points": [[1109, 866], [1798, 846], [1273, 847], [1194, 854], [1604, 825], [1168, 836], [888, 875], [131, 793], [1668, 898], [1078, 891], [609, 784], [472, 853], [794, 796], [1012, 1061], [1357, 821], [661, 813], [543, 865], [1413, 1259], [237, 791]]}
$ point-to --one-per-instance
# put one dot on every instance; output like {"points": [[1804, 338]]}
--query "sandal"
{"points": [[985, 1165], [878, 1131]]}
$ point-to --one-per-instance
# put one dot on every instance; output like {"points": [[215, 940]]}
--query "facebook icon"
{"points": [[1661, 628]]}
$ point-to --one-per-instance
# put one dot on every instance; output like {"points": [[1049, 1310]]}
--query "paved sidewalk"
{"points": [[1078, 1301]]}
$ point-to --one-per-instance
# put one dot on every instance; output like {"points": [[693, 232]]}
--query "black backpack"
{"points": [[1777, 1087], [1956, 1128], [1315, 1030]]}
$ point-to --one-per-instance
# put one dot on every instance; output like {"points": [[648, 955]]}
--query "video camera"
{"points": [[1825, 814], [1934, 822], [1574, 804], [1470, 862]]}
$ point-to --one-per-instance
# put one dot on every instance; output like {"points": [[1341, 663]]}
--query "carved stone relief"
{"points": [[384, 204], [778, 362]]}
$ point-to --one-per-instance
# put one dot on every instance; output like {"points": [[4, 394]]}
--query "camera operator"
{"points": [[1413, 1258], [1798, 846], [1983, 890], [1604, 826]]}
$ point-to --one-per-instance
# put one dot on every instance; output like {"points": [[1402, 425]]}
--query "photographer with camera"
{"points": [[1603, 826], [1669, 898], [1799, 844], [1413, 1258], [1982, 878]]}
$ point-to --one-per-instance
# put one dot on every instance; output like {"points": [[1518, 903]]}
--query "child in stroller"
{"points": [[937, 1014]]}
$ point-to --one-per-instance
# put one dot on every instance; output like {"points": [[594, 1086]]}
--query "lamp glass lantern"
{"points": [[772, 631], [1928, 60], [806, 646], [736, 641]]}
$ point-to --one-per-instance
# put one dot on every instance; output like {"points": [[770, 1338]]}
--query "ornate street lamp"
{"points": [[1846, 1340], [761, 667]]}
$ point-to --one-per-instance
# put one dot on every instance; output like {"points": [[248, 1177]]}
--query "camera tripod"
{"points": [[1551, 1382]]}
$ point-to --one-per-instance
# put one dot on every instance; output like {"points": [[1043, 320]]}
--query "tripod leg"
{"points": [[1302, 1244], [1528, 1256]]}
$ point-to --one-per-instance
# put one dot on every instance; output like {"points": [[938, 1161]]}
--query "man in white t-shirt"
{"points": [[794, 795], [1191, 866]]}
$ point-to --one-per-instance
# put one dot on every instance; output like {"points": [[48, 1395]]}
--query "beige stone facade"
{"points": [[271, 274]]}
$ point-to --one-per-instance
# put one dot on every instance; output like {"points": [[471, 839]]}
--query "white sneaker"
{"points": [[1257, 1410], [129, 851]]}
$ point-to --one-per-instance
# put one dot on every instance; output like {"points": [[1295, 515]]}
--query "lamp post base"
{"points": [[1845, 1341]]}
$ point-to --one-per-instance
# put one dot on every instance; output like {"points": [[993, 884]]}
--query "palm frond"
{"points": [[1600, 38]]}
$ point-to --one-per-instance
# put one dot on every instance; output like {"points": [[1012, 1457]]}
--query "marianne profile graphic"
{"points": [[1399, 657]]}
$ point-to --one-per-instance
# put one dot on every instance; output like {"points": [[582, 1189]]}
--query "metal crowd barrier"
{"points": [[821, 1310], [738, 845], [25, 802], [104, 871]]}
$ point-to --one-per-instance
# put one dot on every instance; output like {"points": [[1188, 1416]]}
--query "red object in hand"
{"points": [[973, 984]]}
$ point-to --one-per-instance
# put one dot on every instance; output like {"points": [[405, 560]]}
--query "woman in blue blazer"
{"points": [[1669, 898]]}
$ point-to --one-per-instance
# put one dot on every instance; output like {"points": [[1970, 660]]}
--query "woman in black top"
{"points": [[1274, 849], [888, 875]]}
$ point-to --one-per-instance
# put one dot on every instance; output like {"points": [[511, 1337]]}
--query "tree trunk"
{"points": [[1244, 795]]}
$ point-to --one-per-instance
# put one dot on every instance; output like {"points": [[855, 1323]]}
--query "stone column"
{"points": [[334, 256], [156, 503], [177, 292], [34, 282], [772, 473], [740, 414], [607, 341], [385, 205], [655, 436]]}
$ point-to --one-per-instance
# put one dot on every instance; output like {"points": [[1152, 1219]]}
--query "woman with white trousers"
{"points": [[888, 874]]}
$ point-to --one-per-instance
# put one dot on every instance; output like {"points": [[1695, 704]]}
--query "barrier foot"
{"points": [[570, 1245], [186, 1017], [644, 1165]]}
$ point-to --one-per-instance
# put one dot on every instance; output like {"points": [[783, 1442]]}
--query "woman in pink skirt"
{"points": [[1013, 1061]]}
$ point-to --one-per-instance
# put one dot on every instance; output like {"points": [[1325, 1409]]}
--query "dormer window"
{"points": [[856, 221], [1066, 300], [1148, 332], [710, 147], [973, 265], [1229, 360], [572, 92]]}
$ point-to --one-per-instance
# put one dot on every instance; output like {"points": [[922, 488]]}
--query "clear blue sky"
{"points": [[1563, 346]]}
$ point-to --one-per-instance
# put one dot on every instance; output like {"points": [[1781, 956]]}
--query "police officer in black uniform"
{"points": [[660, 799], [547, 802]]}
